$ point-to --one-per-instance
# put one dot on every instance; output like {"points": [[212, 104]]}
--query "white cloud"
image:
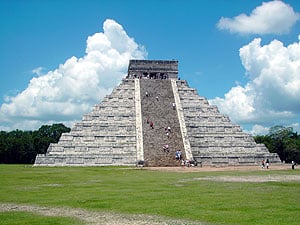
{"points": [[238, 102], [262, 130], [38, 71], [272, 94], [259, 130], [274, 17], [69, 91], [295, 126]]}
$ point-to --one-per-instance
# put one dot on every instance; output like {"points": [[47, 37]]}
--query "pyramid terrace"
{"points": [[154, 119]]}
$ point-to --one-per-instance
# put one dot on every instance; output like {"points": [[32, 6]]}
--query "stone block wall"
{"points": [[105, 136], [214, 139]]}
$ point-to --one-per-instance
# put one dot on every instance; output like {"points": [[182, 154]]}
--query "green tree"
{"points": [[284, 141], [22, 146]]}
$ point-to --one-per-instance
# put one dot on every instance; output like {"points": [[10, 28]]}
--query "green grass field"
{"points": [[140, 191], [17, 218]]}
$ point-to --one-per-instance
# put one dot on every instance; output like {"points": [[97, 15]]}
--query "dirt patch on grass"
{"points": [[253, 179], [95, 218], [262, 178], [185, 169]]}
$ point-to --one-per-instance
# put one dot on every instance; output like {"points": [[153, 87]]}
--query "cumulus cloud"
{"points": [[259, 130], [69, 91], [264, 130], [272, 94], [38, 71], [275, 17]]}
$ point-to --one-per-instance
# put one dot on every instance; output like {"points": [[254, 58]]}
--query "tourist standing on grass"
{"points": [[293, 165], [267, 163], [263, 164]]}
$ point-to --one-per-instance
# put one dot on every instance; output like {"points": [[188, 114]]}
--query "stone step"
{"points": [[116, 131], [213, 137], [86, 160], [105, 136], [163, 115]]}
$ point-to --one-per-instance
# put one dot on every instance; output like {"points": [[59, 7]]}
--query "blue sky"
{"points": [[59, 58]]}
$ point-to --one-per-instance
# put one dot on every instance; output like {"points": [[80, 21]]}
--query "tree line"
{"points": [[283, 141], [19, 146]]}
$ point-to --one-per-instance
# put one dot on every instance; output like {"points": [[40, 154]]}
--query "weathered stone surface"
{"points": [[116, 131], [157, 107], [105, 136], [153, 69], [214, 139]]}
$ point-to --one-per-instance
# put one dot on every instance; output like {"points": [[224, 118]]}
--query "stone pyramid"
{"points": [[118, 131]]}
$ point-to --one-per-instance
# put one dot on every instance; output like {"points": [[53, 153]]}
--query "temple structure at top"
{"points": [[155, 119], [153, 69]]}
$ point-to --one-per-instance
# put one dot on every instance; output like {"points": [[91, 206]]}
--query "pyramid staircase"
{"points": [[117, 131], [157, 107]]}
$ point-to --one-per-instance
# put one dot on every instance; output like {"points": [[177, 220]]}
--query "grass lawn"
{"points": [[140, 191], [17, 218]]}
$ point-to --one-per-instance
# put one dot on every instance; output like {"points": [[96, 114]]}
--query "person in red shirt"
{"points": [[151, 125]]}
